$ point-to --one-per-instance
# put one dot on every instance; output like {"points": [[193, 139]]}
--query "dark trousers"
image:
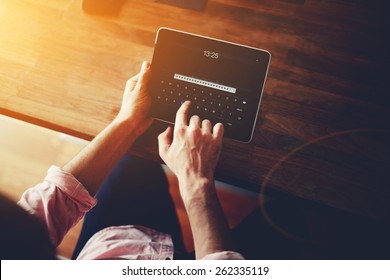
{"points": [[135, 193]]}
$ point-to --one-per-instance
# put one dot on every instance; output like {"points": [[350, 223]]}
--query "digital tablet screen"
{"points": [[223, 79]]}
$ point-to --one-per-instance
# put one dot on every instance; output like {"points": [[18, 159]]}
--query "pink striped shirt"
{"points": [[61, 201]]}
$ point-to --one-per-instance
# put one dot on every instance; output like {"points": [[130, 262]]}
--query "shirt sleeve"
{"points": [[60, 201], [225, 255]]}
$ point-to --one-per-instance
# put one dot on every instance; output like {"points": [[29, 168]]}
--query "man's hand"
{"points": [[93, 164], [192, 156], [136, 102], [194, 152]]}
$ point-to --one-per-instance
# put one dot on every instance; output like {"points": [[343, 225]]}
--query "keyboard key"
{"points": [[238, 109], [212, 104]]}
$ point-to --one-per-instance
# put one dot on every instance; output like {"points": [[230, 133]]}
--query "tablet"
{"points": [[224, 81]]}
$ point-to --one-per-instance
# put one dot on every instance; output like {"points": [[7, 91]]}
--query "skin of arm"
{"points": [[93, 164], [193, 155]]}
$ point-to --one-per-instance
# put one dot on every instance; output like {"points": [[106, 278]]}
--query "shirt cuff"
{"points": [[225, 255], [68, 184]]}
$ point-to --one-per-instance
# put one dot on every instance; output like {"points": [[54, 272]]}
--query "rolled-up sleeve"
{"points": [[225, 255], [60, 201]]}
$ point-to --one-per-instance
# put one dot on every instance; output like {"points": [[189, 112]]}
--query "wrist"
{"points": [[197, 191], [137, 125], [125, 129]]}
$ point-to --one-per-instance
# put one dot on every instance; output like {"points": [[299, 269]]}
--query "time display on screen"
{"points": [[211, 54]]}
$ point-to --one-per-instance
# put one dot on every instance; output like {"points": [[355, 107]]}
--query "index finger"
{"points": [[182, 115]]}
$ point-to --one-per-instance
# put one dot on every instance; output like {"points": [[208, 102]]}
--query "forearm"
{"points": [[209, 227], [193, 155], [93, 164]]}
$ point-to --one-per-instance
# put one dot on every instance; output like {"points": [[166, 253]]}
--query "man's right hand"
{"points": [[192, 156], [194, 151]]}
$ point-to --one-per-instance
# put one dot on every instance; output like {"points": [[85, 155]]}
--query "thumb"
{"points": [[145, 66]]}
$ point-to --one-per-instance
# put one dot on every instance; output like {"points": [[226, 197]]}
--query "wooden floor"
{"points": [[27, 151]]}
